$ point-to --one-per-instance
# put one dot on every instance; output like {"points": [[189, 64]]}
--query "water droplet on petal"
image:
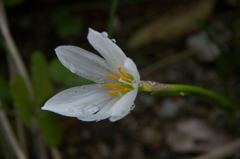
{"points": [[83, 87], [72, 68], [105, 34], [101, 81], [133, 106], [76, 91], [90, 109], [114, 40], [123, 112]]}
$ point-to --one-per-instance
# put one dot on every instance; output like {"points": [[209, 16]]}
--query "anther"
{"points": [[119, 90], [124, 78], [113, 77], [122, 73], [111, 85]]}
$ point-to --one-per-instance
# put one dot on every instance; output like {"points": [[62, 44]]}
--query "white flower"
{"points": [[116, 76]]}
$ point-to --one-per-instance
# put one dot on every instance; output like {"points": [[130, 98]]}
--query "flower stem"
{"points": [[161, 89], [194, 90]]}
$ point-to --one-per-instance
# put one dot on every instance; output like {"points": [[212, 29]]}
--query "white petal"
{"points": [[107, 48], [76, 101], [94, 117], [104, 113], [123, 106], [84, 63], [131, 68]]}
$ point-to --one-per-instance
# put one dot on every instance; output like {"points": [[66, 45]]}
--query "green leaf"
{"points": [[50, 128], [41, 83], [61, 75], [21, 99]]}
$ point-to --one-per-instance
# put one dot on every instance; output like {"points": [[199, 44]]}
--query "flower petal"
{"points": [[131, 68], [84, 63], [104, 113], [107, 48], [123, 106], [76, 101]]}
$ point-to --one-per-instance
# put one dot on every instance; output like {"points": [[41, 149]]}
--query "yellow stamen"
{"points": [[119, 90], [111, 85], [122, 73], [124, 78], [113, 77]]}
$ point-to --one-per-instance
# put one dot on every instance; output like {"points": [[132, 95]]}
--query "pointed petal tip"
{"points": [[92, 32], [90, 29], [61, 48], [44, 108]]}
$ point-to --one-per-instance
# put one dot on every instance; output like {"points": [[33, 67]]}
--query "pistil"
{"points": [[124, 78]]}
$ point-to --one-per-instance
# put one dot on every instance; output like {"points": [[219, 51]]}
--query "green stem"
{"points": [[194, 90], [161, 89], [111, 17]]}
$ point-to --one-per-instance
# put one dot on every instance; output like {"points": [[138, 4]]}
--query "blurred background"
{"points": [[171, 41]]}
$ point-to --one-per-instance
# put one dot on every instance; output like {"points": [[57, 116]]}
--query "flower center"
{"points": [[126, 82]]}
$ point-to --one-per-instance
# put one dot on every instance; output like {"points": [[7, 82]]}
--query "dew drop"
{"points": [[105, 34], [76, 91], [152, 83], [101, 81], [133, 106], [83, 87], [140, 84], [72, 68], [114, 40], [123, 112], [90, 109], [134, 85]]}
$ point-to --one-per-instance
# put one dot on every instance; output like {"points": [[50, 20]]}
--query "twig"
{"points": [[222, 152], [21, 69], [175, 58], [15, 64], [21, 133], [13, 49], [7, 134], [168, 61], [55, 153], [39, 146]]}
